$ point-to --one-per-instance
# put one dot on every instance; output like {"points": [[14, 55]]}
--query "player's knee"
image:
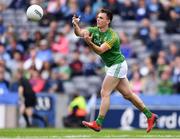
{"points": [[104, 93]]}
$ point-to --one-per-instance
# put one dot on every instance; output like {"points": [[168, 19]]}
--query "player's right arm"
{"points": [[77, 30]]}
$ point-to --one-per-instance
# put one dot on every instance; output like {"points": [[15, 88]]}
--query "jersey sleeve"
{"points": [[111, 40], [91, 29]]}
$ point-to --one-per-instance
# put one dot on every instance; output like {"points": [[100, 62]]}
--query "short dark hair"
{"points": [[107, 12]]}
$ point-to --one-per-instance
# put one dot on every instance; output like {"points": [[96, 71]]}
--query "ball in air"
{"points": [[34, 12]]}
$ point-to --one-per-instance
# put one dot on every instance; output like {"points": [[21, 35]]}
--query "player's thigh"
{"points": [[29, 111], [109, 84], [123, 87]]}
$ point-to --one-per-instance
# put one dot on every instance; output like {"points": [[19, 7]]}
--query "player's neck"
{"points": [[104, 29]]}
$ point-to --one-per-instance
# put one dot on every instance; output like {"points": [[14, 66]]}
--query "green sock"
{"points": [[147, 112], [100, 120]]}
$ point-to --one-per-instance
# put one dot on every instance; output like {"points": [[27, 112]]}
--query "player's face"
{"points": [[102, 20]]}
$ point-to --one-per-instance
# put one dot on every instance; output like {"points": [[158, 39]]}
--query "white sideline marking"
{"points": [[91, 137]]}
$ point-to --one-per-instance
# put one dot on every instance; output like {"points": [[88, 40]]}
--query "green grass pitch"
{"points": [[50, 133]]}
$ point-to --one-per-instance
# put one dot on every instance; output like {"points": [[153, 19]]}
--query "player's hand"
{"points": [[75, 20], [88, 37]]}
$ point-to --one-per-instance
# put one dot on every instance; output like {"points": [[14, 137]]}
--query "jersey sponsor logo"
{"points": [[98, 39]]}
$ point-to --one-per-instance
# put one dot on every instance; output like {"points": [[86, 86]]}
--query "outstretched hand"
{"points": [[87, 37], [75, 20]]}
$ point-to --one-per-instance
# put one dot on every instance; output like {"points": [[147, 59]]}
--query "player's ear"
{"points": [[108, 22]]}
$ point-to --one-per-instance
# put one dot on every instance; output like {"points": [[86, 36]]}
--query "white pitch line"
{"points": [[90, 137], [94, 138]]}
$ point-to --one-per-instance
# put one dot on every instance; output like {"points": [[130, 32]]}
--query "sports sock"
{"points": [[27, 120], [100, 120], [147, 112]]}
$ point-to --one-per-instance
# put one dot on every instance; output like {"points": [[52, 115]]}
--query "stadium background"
{"points": [[64, 65]]}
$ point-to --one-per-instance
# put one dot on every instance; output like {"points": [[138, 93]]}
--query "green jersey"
{"points": [[111, 38]]}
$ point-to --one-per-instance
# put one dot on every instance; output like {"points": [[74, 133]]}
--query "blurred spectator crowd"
{"points": [[56, 61]]}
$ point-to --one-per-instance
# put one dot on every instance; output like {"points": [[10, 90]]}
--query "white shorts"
{"points": [[117, 70]]}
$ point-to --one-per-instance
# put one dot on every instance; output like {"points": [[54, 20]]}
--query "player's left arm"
{"points": [[97, 49], [107, 45]]}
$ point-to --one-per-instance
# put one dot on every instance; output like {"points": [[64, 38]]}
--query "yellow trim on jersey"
{"points": [[107, 44], [111, 42]]}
